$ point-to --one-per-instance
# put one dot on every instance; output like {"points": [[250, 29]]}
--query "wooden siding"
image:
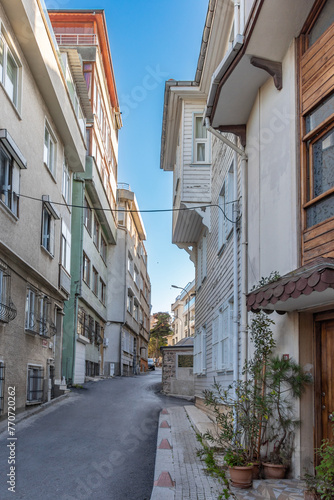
{"points": [[319, 241], [317, 70], [217, 288], [195, 179]]}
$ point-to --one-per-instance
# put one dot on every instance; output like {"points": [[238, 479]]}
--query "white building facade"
{"points": [[268, 105]]}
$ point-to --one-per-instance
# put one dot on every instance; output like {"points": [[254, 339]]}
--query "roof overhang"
{"points": [[175, 93], [271, 27], [130, 198], [188, 225], [308, 287]]}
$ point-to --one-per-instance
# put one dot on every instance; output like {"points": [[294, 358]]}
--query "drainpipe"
{"points": [[235, 272], [244, 242], [236, 18]]}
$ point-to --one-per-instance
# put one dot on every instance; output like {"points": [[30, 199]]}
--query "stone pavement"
{"points": [[180, 474]]}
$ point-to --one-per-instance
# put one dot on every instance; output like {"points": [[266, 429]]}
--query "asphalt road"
{"points": [[97, 444]]}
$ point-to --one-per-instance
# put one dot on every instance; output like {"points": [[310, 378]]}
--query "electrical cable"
{"points": [[141, 211]]}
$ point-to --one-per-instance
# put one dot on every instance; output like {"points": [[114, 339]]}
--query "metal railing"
{"points": [[77, 39]]}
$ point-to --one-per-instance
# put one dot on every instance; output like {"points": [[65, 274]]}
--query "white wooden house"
{"points": [[268, 81]]}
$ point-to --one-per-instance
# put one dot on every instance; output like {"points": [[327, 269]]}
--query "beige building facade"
{"points": [[42, 145]]}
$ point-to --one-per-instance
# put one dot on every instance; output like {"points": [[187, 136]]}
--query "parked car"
{"points": [[150, 363]]}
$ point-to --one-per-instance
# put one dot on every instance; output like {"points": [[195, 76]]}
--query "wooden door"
{"points": [[327, 379]]}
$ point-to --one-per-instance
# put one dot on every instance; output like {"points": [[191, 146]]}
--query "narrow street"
{"points": [[99, 443]]}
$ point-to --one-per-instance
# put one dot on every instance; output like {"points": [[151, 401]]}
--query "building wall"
{"points": [[28, 263], [217, 287]]}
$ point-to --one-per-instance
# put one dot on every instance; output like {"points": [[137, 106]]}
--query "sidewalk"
{"points": [[180, 474]]}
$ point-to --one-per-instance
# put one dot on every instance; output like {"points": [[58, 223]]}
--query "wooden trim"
{"points": [[274, 69], [239, 130], [318, 198], [324, 316], [312, 17], [326, 123], [317, 386]]}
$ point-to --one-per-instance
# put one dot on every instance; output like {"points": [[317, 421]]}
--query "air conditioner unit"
{"points": [[105, 342]]}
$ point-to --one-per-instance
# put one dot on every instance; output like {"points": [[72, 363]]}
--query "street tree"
{"points": [[159, 333]]}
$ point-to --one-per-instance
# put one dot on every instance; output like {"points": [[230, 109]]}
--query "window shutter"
{"points": [[215, 324]]}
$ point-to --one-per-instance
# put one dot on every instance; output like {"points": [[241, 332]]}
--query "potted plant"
{"points": [[240, 469], [321, 485], [285, 382]]}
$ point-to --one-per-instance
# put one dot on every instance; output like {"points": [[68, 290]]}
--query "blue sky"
{"points": [[151, 41]]}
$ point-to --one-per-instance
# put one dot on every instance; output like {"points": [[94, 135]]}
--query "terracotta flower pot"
{"points": [[310, 495], [256, 470], [241, 477], [274, 471]]}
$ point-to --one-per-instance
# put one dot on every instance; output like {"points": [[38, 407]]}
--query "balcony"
{"points": [[100, 199], [76, 39]]}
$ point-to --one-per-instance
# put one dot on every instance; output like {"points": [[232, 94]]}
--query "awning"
{"points": [[307, 287]]}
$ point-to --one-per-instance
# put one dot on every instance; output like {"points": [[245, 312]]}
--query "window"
{"points": [[222, 338], [35, 384], [95, 286], [81, 321], [201, 144], [136, 276], [66, 187], [48, 230], [9, 70], [102, 291], [9, 181], [200, 351], [86, 269], [96, 232], [37, 313], [65, 247], [87, 216], [103, 249], [49, 150], [225, 202], [130, 264], [135, 309], [129, 303], [320, 166]]}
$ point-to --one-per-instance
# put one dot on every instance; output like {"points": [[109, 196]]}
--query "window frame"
{"points": [[200, 351], [50, 153], [88, 216], [66, 239], [103, 289], [86, 264], [95, 281], [40, 385], [14, 94], [200, 140], [48, 231], [222, 338], [10, 197], [103, 248], [66, 183]]}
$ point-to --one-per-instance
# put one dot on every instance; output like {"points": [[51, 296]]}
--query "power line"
{"points": [[140, 211]]}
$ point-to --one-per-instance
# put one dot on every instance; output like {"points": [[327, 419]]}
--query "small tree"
{"points": [[159, 333]]}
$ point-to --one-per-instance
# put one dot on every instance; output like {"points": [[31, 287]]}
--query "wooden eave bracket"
{"points": [[272, 67], [238, 130]]}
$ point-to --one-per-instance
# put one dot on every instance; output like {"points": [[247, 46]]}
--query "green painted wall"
{"points": [[71, 309]]}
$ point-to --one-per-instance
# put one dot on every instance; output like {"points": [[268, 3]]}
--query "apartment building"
{"points": [[129, 294], [183, 313], [83, 40], [42, 146]]}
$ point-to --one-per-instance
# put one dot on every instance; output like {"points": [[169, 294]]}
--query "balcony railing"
{"points": [[76, 39]]}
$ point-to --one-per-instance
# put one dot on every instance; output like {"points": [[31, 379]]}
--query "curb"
{"points": [[29, 413], [164, 474]]}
